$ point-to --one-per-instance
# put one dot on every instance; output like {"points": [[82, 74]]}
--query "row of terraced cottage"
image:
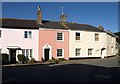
{"points": [[43, 39]]}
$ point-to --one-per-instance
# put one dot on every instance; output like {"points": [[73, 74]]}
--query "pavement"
{"points": [[83, 71]]}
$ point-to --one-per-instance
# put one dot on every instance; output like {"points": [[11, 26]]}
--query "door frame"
{"points": [[47, 46], [10, 51], [46, 53]]}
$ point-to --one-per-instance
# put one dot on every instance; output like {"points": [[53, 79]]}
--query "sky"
{"points": [[92, 13]]}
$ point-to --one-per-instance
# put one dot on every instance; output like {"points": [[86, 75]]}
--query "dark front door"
{"points": [[12, 56], [46, 54]]}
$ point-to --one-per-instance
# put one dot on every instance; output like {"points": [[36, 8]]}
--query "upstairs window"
{"points": [[59, 36], [27, 34], [111, 39], [96, 37], [77, 36]]}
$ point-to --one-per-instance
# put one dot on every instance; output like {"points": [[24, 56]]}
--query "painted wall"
{"points": [[15, 37], [49, 37], [87, 40], [110, 44]]}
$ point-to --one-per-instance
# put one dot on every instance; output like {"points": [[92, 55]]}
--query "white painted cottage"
{"points": [[19, 36], [88, 41]]}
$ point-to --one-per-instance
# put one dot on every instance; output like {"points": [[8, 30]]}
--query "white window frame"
{"points": [[77, 52], [91, 52], [96, 39], [62, 36], [76, 36], [62, 53], [25, 52], [27, 34]]}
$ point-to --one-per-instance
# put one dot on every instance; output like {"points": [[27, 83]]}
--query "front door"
{"points": [[12, 56], [46, 54]]}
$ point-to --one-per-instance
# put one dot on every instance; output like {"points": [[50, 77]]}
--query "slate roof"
{"points": [[83, 27], [18, 23], [31, 24]]}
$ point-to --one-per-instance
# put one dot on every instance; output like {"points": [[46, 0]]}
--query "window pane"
{"points": [[77, 52], [59, 52], [96, 37], [89, 52], [30, 34], [23, 52], [27, 52], [25, 34], [77, 36], [31, 51], [59, 36]]}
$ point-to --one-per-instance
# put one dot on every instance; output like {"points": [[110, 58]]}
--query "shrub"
{"points": [[21, 58], [32, 60], [4, 57], [53, 61], [61, 59]]}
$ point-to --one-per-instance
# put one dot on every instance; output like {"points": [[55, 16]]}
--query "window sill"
{"points": [[27, 38], [60, 40], [61, 57], [77, 40]]}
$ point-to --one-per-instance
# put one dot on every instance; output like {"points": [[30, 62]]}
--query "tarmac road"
{"points": [[83, 71]]}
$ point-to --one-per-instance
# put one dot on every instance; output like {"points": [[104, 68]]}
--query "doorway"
{"points": [[12, 56], [46, 54], [103, 52]]}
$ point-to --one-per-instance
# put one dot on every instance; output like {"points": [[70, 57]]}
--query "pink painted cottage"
{"points": [[53, 38], [53, 43]]}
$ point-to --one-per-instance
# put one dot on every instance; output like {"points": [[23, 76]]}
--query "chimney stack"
{"points": [[39, 16], [100, 27]]}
